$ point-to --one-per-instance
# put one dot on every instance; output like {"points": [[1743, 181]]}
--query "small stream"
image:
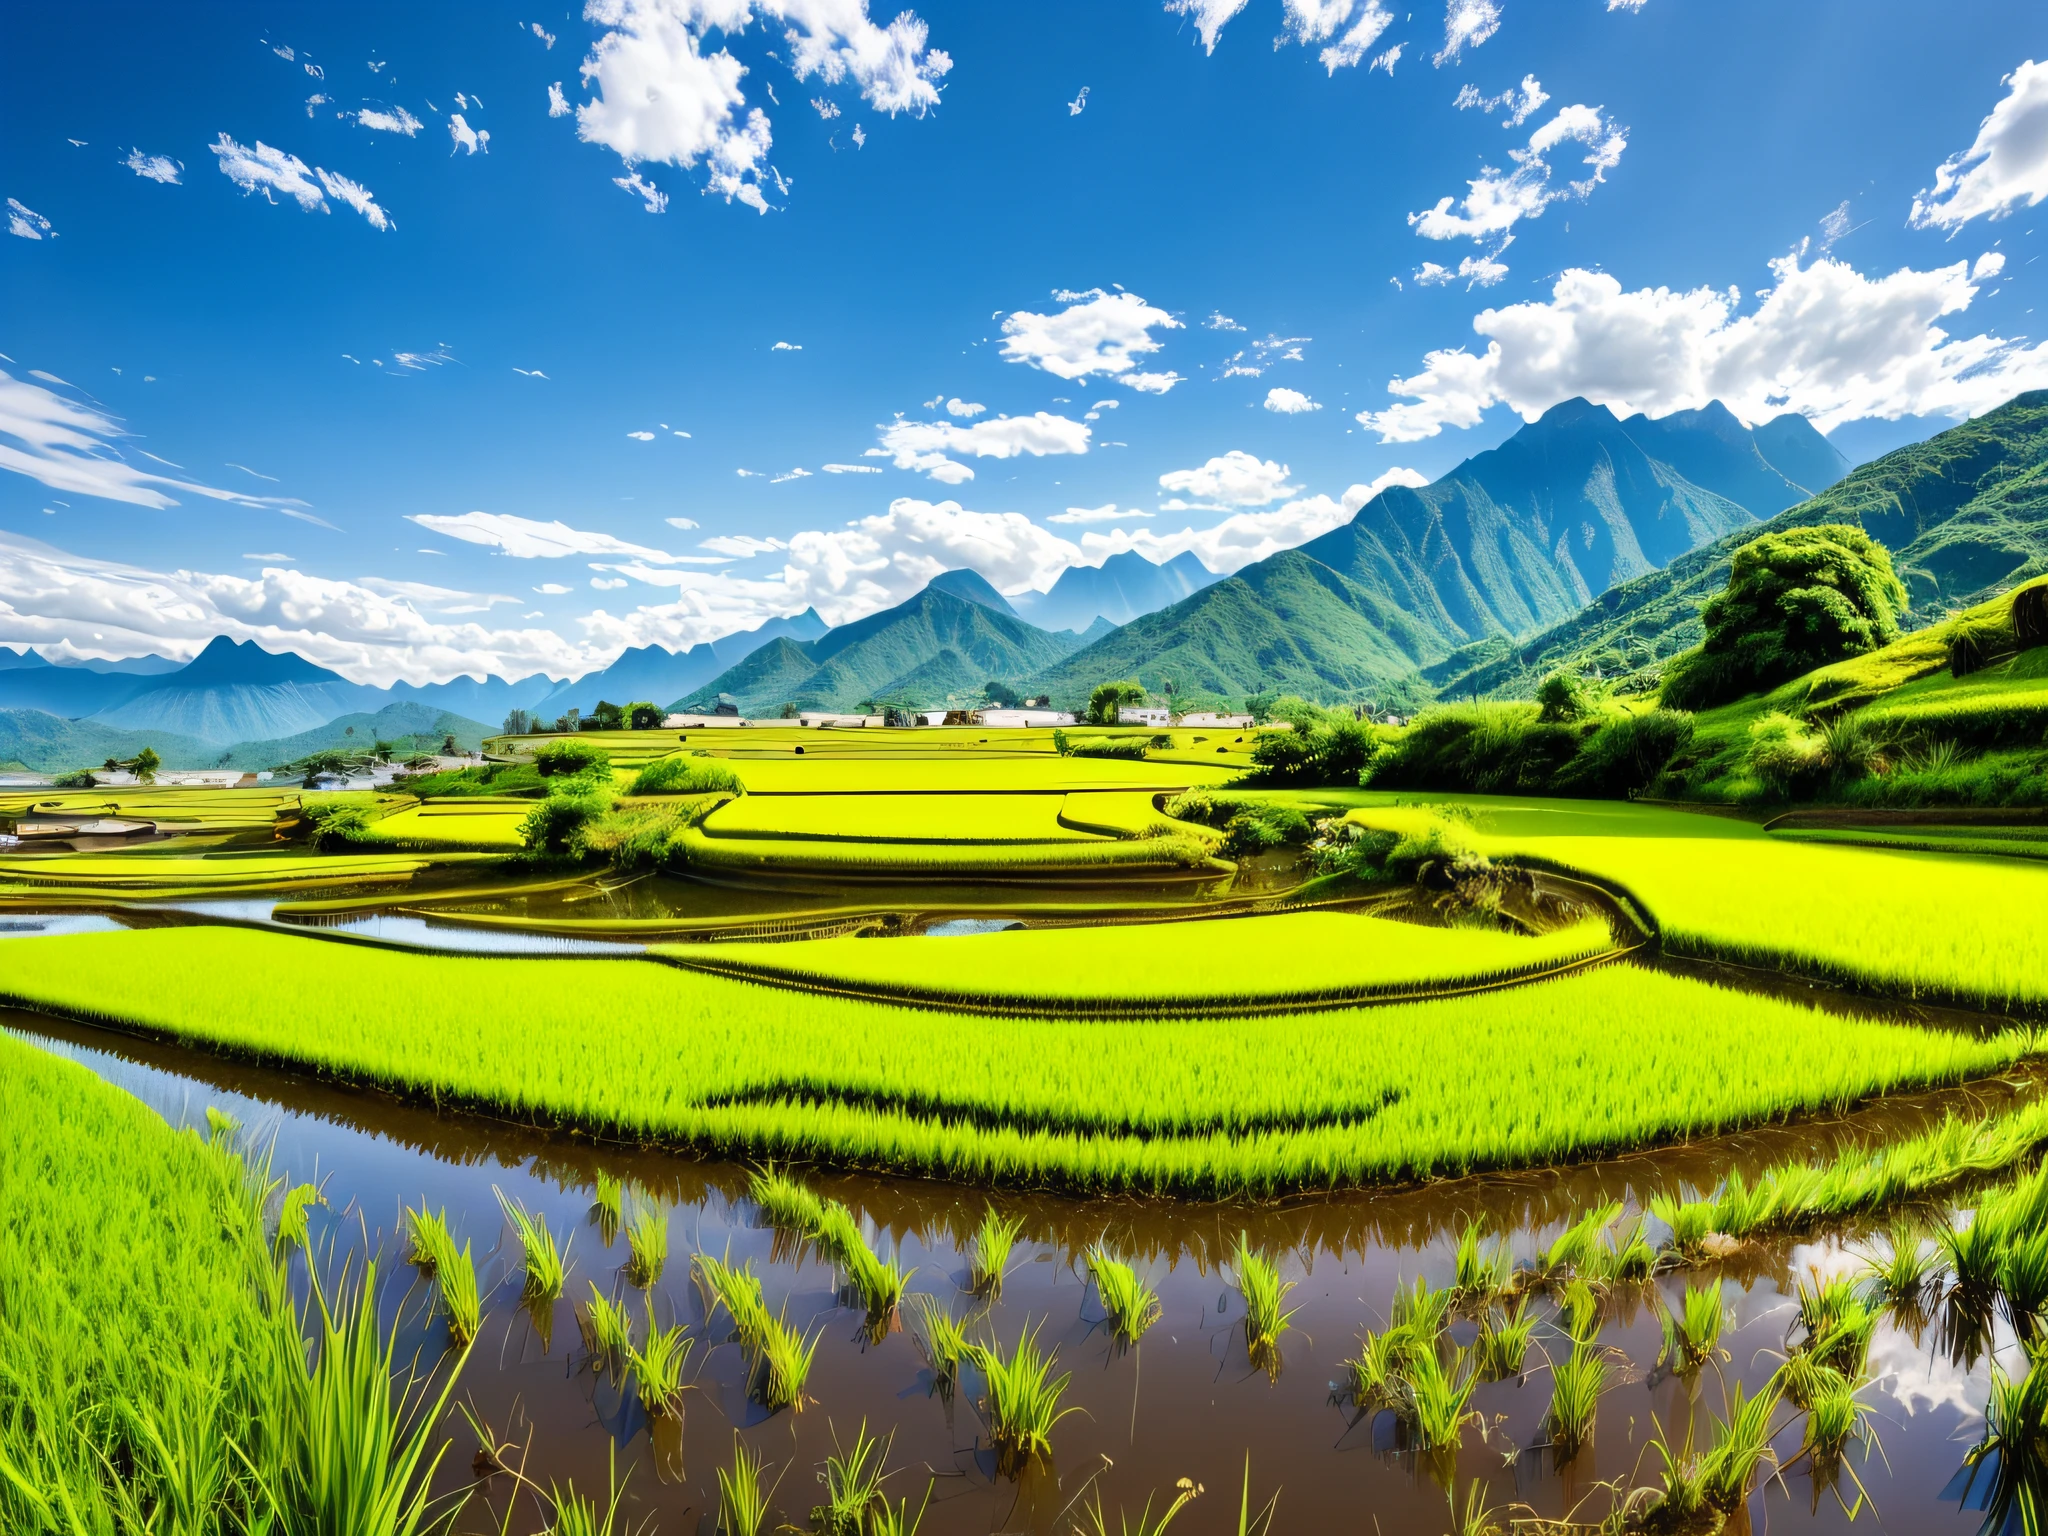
{"points": [[1186, 1403]]}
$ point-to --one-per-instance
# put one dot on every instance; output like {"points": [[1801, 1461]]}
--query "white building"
{"points": [[1214, 722], [1143, 714], [1019, 719]]}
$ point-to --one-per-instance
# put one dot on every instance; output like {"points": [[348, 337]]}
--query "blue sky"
{"points": [[295, 280]]}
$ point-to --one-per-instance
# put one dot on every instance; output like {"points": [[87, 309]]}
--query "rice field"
{"points": [[899, 818], [1608, 1059], [701, 848], [1225, 965], [1935, 926]]}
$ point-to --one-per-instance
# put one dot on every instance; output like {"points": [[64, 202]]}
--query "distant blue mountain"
{"points": [[1124, 587], [656, 674]]}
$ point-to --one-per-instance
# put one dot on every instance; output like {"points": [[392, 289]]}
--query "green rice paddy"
{"points": [[1612, 1058]]}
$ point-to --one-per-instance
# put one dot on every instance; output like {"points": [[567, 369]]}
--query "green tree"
{"points": [[519, 722], [1001, 694], [645, 716], [1795, 601], [1108, 698], [607, 717], [1565, 697]]}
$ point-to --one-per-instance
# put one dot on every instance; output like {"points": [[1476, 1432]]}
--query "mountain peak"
{"points": [[226, 662], [973, 586], [1571, 413]]}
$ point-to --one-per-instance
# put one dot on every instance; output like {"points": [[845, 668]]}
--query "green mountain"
{"points": [[1964, 514], [46, 743], [408, 727], [893, 655], [1510, 541]]}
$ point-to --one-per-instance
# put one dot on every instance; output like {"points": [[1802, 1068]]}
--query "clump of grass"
{"points": [[1187, 1490], [647, 1246], [1576, 1384], [742, 1502], [1482, 1275], [1376, 1371], [1690, 1221], [993, 1240], [853, 1485], [1693, 1332], [1626, 1256], [1579, 1309], [657, 1367], [2012, 1458], [942, 1339], [1741, 1443], [785, 1204], [1421, 1309], [1439, 1398], [1023, 1399], [739, 1292], [1838, 1325], [1898, 1276], [1578, 1246], [783, 1364], [292, 1221], [1132, 1305], [1834, 1415], [428, 1239], [606, 1330], [1264, 1293], [1502, 1346], [545, 1263], [453, 1271], [879, 1282], [608, 1208]]}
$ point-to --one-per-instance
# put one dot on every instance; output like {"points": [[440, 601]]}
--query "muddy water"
{"points": [[1186, 1403]]}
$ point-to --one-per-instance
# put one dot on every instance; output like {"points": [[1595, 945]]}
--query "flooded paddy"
{"points": [[1186, 1402]]}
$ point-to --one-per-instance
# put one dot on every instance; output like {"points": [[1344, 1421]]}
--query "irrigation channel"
{"points": [[1187, 1402]]}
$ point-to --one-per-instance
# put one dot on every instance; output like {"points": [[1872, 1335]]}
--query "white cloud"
{"points": [[270, 171], [1520, 102], [24, 221], [272, 558], [552, 589], [923, 445], [1209, 16], [2005, 168], [691, 522], [1218, 321], [1826, 341], [398, 120], [794, 474], [160, 168], [1477, 271], [523, 538], [851, 469], [466, 137], [647, 191], [558, 104], [1290, 402], [1467, 23], [431, 599], [661, 97], [82, 607], [1497, 201], [1102, 514], [825, 107], [1097, 333], [1236, 479], [608, 583], [71, 446], [958, 407], [1079, 104], [645, 437], [543, 34], [1388, 60], [1247, 536], [1330, 22], [787, 346], [1625, 5]]}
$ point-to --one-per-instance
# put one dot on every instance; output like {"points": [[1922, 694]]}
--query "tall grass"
{"points": [[742, 1502], [1237, 1107], [1264, 1293], [1022, 1401], [1132, 1305]]}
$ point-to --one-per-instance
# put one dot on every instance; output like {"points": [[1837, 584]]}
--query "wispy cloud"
{"points": [[397, 120], [275, 171], [160, 168], [24, 221]]}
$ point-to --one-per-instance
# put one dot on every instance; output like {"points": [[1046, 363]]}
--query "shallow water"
{"points": [[1186, 1402]]}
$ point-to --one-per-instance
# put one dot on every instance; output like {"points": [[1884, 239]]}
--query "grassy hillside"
{"points": [[409, 728], [51, 744], [1964, 513]]}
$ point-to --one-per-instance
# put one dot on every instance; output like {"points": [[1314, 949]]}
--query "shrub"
{"points": [[686, 776], [1795, 601], [1109, 698], [1564, 697], [556, 826], [1333, 750], [1626, 753], [1251, 824], [644, 716], [571, 757], [1128, 748]]}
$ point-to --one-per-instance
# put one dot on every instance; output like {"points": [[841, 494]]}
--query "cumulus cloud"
{"points": [[552, 589], [661, 97], [1467, 24], [274, 171], [159, 168], [1097, 333], [1103, 514], [398, 120], [1625, 5], [1235, 479], [81, 607], [1496, 201], [958, 407], [558, 104], [466, 137], [1290, 402], [24, 221], [524, 538], [924, 445], [2005, 168], [1218, 321], [1825, 341], [1250, 362], [787, 346], [1247, 536], [70, 445]]}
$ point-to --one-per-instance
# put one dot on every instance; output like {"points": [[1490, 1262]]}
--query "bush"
{"points": [[1510, 749], [78, 778], [1330, 750], [1564, 697], [571, 757], [337, 828], [1795, 601], [556, 826], [1128, 748], [641, 836], [686, 776], [644, 716], [1250, 824], [1626, 753], [1108, 698]]}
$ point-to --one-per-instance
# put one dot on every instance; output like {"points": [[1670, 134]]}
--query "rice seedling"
{"points": [[1421, 1310], [1248, 1522], [1834, 1414], [1741, 1442], [1680, 1499], [657, 1366], [1022, 1398], [430, 1239], [742, 1502], [1898, 1275], [572, 1514], [1692, 1333], [943, 1340], [647, 1246], [783, 1364], [1626, 1256], [1477, 1517], [292, 1218], [2023, 1281], [1502, 1344], [1187, 1490], [1577, 1247], [993, 1240], [880, 1283], [455, 1278], [544, 1262], [1576, 1384], [785, 1204], [1439, 1398], [607, 1331], [1482, 1276], [1376, 1372], [896, 1519], [1837, 1323], [2011, 1461], [853, 1485], [1689, 1221], [1264, 1293], [608, 1208], [739, 1292], [1579, 1309], [1132, 1305]]}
